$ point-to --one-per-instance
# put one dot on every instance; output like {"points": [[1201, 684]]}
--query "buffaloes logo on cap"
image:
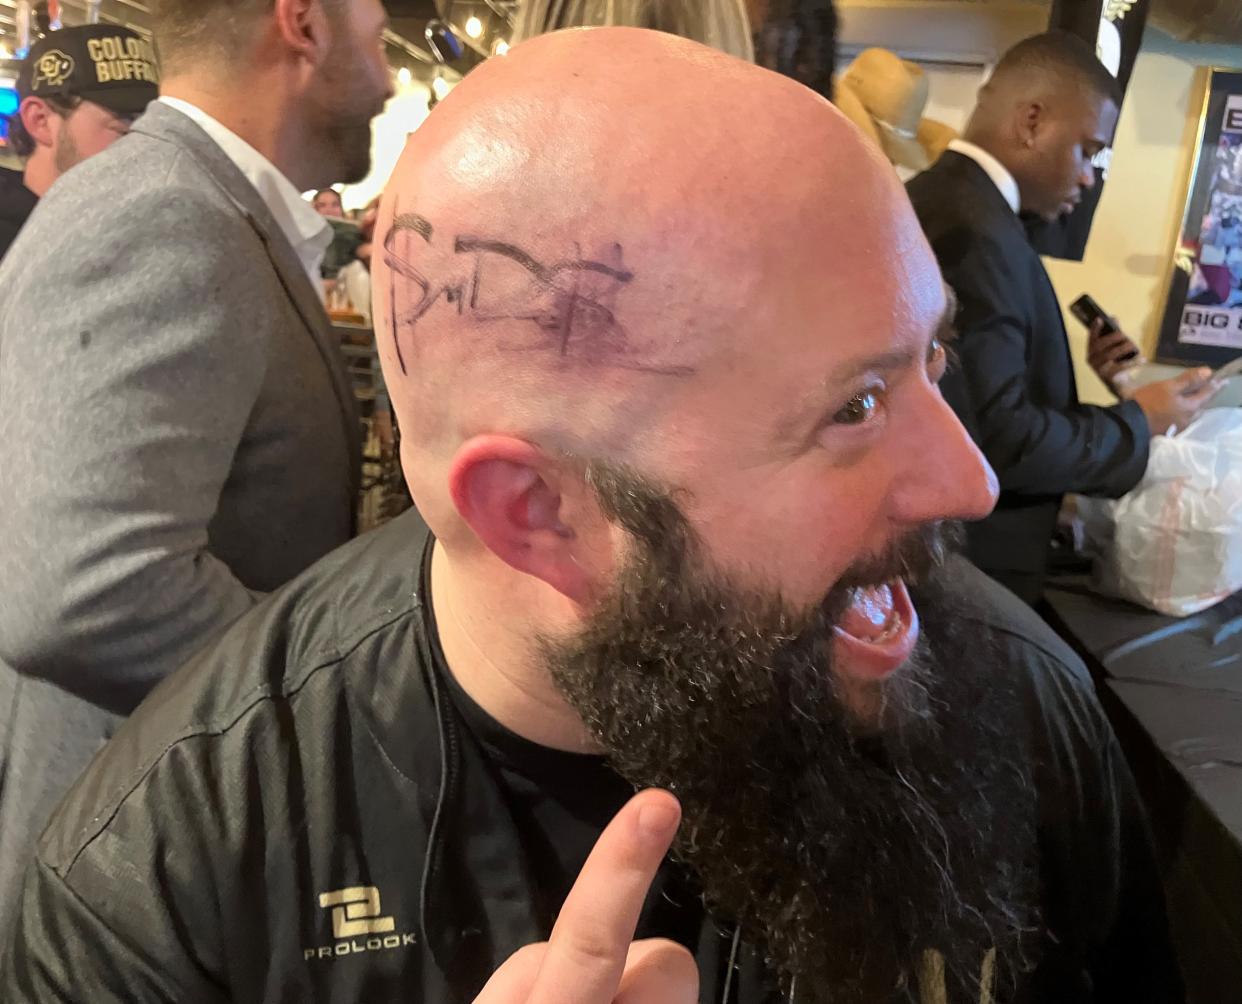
{"points": [[52, 70]]}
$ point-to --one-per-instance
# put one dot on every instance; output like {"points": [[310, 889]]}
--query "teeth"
{"points": [[892, 629]]}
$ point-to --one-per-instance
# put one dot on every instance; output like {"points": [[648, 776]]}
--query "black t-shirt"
{"points": [[17, 202], [560, 803]]}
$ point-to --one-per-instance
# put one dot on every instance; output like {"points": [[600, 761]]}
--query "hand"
{"points": [[1173, 404], [591, 957], [1107, 352]]}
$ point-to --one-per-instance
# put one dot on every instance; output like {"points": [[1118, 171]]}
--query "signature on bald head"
{"points": [[569, 305]]}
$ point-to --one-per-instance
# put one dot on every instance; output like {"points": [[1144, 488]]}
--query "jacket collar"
{"points": [[307, 231], [476, 896], [990, 198], [997, 172], [165, 123]]}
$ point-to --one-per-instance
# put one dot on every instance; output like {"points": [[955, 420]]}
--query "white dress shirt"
{"points": [[994, 169], [308, 232]]}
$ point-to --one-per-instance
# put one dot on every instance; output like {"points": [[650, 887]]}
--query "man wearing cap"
{"points": [[204, 444], [80, 89]]}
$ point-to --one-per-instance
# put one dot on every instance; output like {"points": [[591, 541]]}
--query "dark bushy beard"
{"points": [[845, 849]]}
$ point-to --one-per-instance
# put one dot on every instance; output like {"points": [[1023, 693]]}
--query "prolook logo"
{"points": [[358, 925]]}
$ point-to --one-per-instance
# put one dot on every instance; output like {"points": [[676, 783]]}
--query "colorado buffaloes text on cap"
{"points": [[118, 59], [107, 64]]}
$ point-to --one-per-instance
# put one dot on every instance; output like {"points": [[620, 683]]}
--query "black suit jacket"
{"points": [[1014, 385]]}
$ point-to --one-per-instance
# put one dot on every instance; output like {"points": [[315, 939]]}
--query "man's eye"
{"points": [[858, 410]]}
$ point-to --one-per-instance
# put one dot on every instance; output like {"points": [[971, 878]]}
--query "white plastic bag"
{"points": [[1174, 544]]}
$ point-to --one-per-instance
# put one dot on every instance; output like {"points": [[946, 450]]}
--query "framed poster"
{"points": [[1203, 316]]}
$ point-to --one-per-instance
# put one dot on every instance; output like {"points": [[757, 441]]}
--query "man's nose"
{"points": [[946, 475]]}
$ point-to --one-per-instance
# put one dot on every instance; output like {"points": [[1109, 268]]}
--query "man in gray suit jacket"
{"points": [[177, 432]]}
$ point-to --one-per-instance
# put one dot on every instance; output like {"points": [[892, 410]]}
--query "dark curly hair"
{"points": [[799, 39]]}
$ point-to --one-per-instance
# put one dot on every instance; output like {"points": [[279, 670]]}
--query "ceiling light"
{"points": [[474, 27], [404, 76], [500, 48], [441, 87]]}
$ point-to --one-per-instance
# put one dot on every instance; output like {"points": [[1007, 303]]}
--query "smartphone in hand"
{"points": [[1088, 311]]}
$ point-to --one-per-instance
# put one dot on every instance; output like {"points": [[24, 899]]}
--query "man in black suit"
{"points": [[1047, 110]]}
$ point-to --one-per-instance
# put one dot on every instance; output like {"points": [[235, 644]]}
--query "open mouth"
{"points": [[877, 631]]}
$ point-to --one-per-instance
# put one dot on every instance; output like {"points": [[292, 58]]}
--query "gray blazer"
{"points": [[177, 435]]}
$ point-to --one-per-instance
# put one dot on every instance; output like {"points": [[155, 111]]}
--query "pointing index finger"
{"points": [[587, 951]]}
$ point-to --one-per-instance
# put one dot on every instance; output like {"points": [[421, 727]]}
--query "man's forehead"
{"points": [[677, 282], [903, 345]]}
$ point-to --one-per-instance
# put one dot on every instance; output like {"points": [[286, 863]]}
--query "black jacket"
{"points": [[311, 760], [17, 202], [1014, 390]]}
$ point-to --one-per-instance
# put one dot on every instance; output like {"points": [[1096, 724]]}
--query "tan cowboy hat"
{"points": [[894, 92], [935, 137], [850, 105]]}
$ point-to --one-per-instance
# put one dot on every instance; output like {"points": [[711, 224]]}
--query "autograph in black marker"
{"points": [[571, 303]]}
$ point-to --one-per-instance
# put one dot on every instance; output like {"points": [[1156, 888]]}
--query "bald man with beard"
{"points": [[686, 473]]}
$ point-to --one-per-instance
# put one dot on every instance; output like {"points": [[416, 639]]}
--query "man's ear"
{"points": [[1030, 121], [510, 493], [37, 118], [304, 29]]}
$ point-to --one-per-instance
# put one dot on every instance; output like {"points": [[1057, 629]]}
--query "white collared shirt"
{"points": [[308, 232], [994, 169]]}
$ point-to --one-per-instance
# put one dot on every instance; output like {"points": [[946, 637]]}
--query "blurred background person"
{"points": [[722, 24], [327, 202], [354, 285], [67, 114], [1048, 109], [354, 278], [343, 249], [205, 448], [797, 38]]}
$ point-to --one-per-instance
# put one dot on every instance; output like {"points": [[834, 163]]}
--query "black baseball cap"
{"points": [[108, 64]]}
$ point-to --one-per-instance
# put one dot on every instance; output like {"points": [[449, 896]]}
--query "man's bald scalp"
{"points": [[579, 230]]}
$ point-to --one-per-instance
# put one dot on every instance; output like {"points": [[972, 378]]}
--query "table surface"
{"points": [[1178, 682], [1180, 677]]}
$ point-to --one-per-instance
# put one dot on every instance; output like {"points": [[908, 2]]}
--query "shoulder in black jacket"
{"points": [[1014, 389], [298, 816]]}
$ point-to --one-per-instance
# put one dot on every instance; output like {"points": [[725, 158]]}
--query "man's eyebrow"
{"points": [[898, 358]]}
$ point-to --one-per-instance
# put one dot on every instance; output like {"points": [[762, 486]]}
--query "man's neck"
{"points": [[40, 171], [496, 665], [986, 142], [257, 114]]}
